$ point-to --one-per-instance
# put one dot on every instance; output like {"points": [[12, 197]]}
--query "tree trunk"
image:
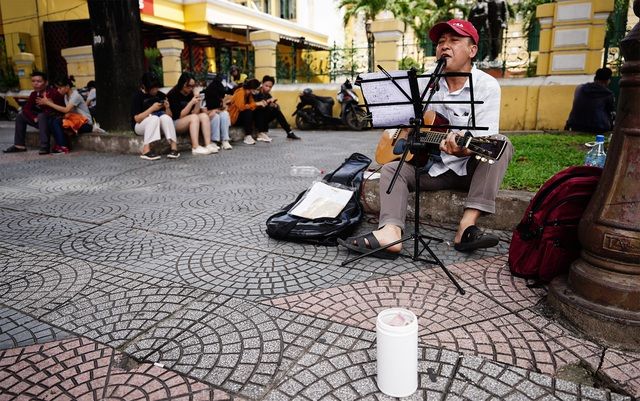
{"points": [[117, 57]]}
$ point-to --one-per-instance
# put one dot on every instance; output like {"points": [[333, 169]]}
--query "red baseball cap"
{"points": [[459, 26]]}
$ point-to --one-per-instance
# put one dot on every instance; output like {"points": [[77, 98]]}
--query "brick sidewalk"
{"points": [[127, 279]]}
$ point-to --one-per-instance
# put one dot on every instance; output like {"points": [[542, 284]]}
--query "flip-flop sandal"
{"points": [[473, 238], [361, 246]]}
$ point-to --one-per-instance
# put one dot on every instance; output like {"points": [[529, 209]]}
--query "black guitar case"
{"points": [[324, 231]]}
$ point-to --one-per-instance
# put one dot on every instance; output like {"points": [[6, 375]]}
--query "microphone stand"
{"points": [[418, 110], [414, 145]]}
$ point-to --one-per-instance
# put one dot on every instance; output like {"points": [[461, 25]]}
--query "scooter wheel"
{"points": [[302, 123], [356, 119]]}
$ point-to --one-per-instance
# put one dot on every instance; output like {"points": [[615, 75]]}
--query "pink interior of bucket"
{"points": [[398, 319]]}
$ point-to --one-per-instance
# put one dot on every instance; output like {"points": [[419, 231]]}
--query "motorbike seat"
{"points": [[325, 99]]}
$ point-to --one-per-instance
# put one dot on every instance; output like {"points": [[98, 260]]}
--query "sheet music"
{"points": [[391, 116], [379, 93], [385, 91], [322, 200]]}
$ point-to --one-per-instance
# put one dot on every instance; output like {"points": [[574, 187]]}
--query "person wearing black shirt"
{"points": [[593, 105], [264, 115], [151, 115], [188, 117]]}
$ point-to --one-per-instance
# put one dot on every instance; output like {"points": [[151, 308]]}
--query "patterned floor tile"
{"points": [[242, 199], [128, 249], [80, 208], [513, 340], [23, 228], [623, 368], [253, 273], [70, 369], [151, 382], [480, 379], [191, 224], [19, 199], [568, 343], [116, 318], [85, 184], [19, 330], [428, 294], [492, 277], [80, 369], [37, 284], [233, 344], [164, 258]]}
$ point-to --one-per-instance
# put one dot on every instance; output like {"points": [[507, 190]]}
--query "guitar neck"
{"points": [[432, 137]]}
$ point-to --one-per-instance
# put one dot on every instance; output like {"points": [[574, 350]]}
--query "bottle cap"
{"points": [[599, 138]]}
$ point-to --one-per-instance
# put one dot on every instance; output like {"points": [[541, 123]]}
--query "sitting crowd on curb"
{"points": [[36, 115], [54, 110], [205, 116]]}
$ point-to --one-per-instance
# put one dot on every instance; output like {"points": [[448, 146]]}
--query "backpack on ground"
{"points": [[324, 231], [545, 242]]}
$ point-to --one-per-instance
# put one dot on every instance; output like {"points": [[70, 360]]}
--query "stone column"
{"points": [[387, 35], [601, 295], [544, 14], [24, 67], [572, 36], [171, 50], [80, 64], [264, 44]]}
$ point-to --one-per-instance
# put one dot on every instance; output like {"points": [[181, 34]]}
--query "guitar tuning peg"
{"points": [[483, 159], [477, 157], [491, 161]]}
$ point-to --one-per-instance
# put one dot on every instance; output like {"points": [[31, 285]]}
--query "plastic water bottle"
{"points": [[305, 171], [596, 156]]}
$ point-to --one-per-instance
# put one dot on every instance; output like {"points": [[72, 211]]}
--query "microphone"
{"points": [[433, 82]]}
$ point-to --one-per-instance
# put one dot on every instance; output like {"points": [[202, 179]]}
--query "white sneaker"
{"points": [[249, 140], [263, 137], [226, 145], [200, 150], [213, 147]]}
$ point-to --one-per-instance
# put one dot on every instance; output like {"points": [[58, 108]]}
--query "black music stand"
{"points": [[414, 144]]}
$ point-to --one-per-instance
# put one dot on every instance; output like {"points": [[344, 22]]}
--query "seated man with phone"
{"points": [[264, 115]]}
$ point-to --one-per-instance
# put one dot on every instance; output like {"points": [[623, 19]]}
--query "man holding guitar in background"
{"points": [[453, 168]]}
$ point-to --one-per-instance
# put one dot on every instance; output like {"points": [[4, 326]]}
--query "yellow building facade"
{"points": [[570, 47], [572, 36], [221, 22]]}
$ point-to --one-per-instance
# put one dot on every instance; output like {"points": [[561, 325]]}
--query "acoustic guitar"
{"points": [[486, 149]]}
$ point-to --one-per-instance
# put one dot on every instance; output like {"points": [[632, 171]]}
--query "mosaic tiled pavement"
{"points": [[123, 279]]}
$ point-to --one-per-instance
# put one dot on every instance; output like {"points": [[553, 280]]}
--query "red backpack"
{"points": [[545, 242]]}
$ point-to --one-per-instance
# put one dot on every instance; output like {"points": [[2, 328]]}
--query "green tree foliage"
{"points": [[370, 8], [420, 15], [153, 57], [408, 62]]}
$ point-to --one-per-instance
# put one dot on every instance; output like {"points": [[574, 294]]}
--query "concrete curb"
{"points": [[447, 206], [125, 143]]}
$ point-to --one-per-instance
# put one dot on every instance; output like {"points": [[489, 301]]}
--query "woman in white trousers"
{"points": [[151, 117]]}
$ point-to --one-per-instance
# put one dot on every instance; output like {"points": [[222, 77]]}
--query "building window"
{"points": [[288, 9]]}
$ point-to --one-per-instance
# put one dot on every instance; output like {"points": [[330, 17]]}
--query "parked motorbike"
{"points": [[313, 111]]}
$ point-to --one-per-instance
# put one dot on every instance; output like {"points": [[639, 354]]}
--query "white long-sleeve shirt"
{"points": [[486, 89]]}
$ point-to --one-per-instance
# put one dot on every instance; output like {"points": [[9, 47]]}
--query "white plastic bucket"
{"points": [[397, 352]]}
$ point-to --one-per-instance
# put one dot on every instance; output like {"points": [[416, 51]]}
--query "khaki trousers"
{"points": [[482, 182]]}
